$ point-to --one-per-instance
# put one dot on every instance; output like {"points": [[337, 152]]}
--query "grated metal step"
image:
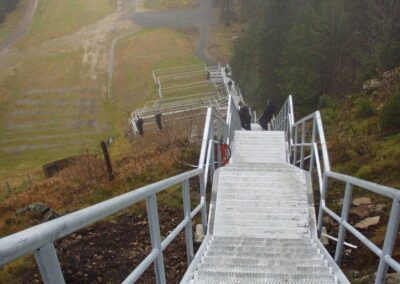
{"points": [[300, 277]]}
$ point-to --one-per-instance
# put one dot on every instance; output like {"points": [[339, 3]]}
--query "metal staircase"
{"points": [[262, 223]]}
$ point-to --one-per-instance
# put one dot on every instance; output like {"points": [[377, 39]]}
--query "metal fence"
{"points": [[307, 146], [40, 239]]}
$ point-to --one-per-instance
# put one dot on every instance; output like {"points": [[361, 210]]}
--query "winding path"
{"points": [[21, 28]]}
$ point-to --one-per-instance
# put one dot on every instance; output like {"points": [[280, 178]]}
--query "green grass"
{"points": [[170, 4], [55, 18]]}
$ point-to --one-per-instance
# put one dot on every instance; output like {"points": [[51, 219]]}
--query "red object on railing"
{"points": [[225, 153]]}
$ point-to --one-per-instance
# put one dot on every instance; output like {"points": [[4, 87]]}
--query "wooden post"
{"points": [[107, 160], [30, 180], [8, 187]]}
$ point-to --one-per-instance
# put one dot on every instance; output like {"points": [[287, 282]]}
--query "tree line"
{"points": [[311, 48], [7, 6]]}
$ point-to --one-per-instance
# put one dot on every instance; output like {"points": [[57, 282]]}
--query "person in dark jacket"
{"points": [[158, 121], [267, 115], [139, 125], [244, 114], [230, 83]]}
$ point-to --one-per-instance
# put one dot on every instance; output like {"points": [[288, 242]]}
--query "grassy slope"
{"points": [[43, 70], [167, 4], [55, 18]]}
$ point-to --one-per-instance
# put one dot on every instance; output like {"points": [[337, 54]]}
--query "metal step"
{"points": [[228, 222], [236, 280], [250, 262], [262, 203], [271, 232], [263, 209], [267, 196], [251, 240], [300, 277], [286, 269], [263, 216]]}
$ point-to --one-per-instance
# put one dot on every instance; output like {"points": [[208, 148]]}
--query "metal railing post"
{"points": [[303, 137], [206, 135], [188, 228], [343, 218], [295, 146], [154, 226], [49, 266], [390, 240], [322, 205], [314, 132], [204, 201]]}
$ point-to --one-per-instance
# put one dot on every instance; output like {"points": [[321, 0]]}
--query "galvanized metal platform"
{"points": [[262, 221]]}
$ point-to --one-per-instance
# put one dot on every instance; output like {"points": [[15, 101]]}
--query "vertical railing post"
{"points": [[49, 266], [322, 205], [343, 218], [204, 202], [303, 137], [313, 137], [206, 135], [390, 240], [154, 225], [295, 145], [188, 227]]}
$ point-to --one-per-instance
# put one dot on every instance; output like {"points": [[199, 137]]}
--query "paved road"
{"points": [[202, 18], [21, 28]]}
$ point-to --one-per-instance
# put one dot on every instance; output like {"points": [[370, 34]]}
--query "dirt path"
{"points": [[21, 28]]}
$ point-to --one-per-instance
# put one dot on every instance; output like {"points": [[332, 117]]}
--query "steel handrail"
{"points": [[284, 121]]}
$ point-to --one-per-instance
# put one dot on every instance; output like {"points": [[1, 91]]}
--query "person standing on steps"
{"points": [[139, 125], [230, 83], [267, 115], [227, 70], [158, 120], [244, 114], [208, 75]]}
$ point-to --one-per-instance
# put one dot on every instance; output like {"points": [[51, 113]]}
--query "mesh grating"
{"points": [[261, 230]]}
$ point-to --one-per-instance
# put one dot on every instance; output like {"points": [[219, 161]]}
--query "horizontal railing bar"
{"points": [[392, 263], [355, 232], [141, 268], [332, 214], [363, 239], [174, 233], [304, 119], [374, 187], [197, 209], [16, 245], [303, 144]]}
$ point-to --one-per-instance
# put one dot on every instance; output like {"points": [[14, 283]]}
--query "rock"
{"points": [[371, 85], [392, 278], [347, 251], [380, 207], [199, 234], [324, 240], [362, 201], [39, 211], [366, 223], [361, 211]]}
